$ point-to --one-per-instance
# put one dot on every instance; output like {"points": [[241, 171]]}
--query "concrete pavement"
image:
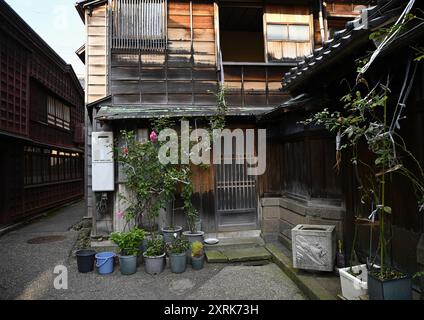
{"points": [[26, 272]]}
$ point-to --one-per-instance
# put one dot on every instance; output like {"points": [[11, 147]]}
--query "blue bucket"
{"points": [[105, 262]]}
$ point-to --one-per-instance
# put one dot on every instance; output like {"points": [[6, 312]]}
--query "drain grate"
{"points": [[48, 239]]}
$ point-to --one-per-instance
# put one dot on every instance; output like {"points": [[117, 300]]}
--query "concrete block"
{"points": [[271, 213], [286, 228], [214, 256], [270, 202], [293, 217], [270, 226], [314, 247]]}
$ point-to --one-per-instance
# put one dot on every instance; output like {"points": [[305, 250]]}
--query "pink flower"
{"points": [[120, 215], [153, 137], [125, 151]]}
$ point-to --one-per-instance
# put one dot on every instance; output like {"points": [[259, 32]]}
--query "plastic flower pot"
{"points": [[178, 262], [193, 237], [85, 260], [398, 289], [354, 286], [198, 263], [128, 264], [196, 236], [168, 233], [154, 265]]}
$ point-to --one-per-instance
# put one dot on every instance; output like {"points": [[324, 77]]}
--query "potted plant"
{"points": [[364, 120], [192, 215], [151, 183], [197, 255], [177, 250], [129, 244], [155, 256], [171, 232]]}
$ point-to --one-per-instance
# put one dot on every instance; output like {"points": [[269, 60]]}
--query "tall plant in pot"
{"points": [[171, 231], [177, 251], [129, 245], [192, 215], [151, 184], [365, 121]]}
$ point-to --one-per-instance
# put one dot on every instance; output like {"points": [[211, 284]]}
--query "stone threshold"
{"points": [[235, 255]]}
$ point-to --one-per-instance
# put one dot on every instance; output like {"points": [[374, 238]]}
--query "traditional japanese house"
{"points": [[41, 124], [302, 185], [149, 58]]}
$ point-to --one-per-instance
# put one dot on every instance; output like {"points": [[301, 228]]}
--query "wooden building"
{"points": [[41, 124], [148, 58], [302, 186]]}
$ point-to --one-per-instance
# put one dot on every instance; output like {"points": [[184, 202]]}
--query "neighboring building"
{"points": [[41, 124], [303, 187], [136, 73]]}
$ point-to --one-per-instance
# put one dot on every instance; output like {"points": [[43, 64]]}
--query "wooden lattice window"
{"points": [[139, 25], [58, 113], [44, 165]]}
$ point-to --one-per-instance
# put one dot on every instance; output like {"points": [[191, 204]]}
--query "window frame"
{"points": [[287, 25], [58, 113]]}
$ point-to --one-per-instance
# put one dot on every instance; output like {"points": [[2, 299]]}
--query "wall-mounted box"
{"points": [[103, 170]]}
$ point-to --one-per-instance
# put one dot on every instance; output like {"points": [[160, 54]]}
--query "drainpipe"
{"points": [[321, 22]]}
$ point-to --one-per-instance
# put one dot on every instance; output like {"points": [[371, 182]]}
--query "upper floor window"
{"points": [[58, 113], [288, 32], [139, 25]]}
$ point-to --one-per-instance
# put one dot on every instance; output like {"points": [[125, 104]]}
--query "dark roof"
{"points": [[355, 35], [300, 100], [8, 15], [107, 112]]}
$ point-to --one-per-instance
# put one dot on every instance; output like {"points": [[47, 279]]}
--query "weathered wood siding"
{"points": [[183, 75], [96, 54]]}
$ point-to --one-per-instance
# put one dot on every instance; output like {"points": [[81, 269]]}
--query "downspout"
{"points": [[321, 22]]}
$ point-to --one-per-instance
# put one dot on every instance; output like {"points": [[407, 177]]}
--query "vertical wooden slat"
{"points": [[139, 25]]}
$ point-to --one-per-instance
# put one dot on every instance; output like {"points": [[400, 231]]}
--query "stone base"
{"points": [[281, 215]]}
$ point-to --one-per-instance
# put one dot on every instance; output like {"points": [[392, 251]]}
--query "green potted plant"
{"points": [[155, 256], [364, 121], [177, 251], [171, 232], [197, 255], [192, 215], [129, 245]]}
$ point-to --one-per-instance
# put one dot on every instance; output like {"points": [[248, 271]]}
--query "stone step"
{"points": [[233, 255], [236, 243]]}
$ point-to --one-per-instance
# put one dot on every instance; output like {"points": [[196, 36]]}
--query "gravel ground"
{"points": [[27, 272]]}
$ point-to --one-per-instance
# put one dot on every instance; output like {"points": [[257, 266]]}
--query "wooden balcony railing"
{"points": [[254, 84]]}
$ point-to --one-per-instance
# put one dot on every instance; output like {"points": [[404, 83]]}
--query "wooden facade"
{"points": [[41, 162], [246, 46], [309, 189]]}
